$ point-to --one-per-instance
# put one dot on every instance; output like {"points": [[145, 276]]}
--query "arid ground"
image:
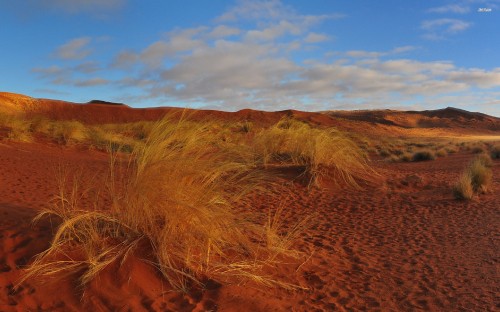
{"points": [[399, 242]]}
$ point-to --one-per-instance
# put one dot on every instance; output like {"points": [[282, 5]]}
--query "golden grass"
{"points": [[463, 187], [18, 129], [476, 178], [480, 174], [176, 197], [319, 151]]}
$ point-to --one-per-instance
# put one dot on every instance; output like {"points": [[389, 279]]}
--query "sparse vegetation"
{"points": [[463, 187], [319, 151], [475, 179], [423, 155], [176, 198], [478, 149], [495, 151], [480, 175], [441, 153]]}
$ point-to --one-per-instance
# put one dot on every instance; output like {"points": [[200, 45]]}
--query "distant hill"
{"points": [[368, 122], [440, 118]]}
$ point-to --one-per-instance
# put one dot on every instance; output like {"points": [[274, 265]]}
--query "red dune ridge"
{"points": [[399, 243]]}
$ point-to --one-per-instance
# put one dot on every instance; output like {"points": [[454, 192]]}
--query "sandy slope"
{"points": [[402, 245]]}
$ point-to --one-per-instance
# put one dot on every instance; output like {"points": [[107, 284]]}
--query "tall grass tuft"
{"points": [[480, 175], [176, 197], [476, 178], [463, 187], [319, 151]]}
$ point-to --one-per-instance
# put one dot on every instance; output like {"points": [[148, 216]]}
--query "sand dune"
{"points": [[449, 121], [400, 244]]}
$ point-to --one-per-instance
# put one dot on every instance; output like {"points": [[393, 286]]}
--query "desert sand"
{"points": [[400, 243]]}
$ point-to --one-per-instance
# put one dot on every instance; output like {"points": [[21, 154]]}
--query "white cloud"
{"points": [[403, 49], [363, 54], [439, 28], [74, 49], [257, 10], [274, 31], [91, 82], [451, 8], [315, 38], [228, 67], [223, 31]]}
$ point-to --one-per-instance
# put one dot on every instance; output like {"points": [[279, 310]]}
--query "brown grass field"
{"points": [[104, 207]]}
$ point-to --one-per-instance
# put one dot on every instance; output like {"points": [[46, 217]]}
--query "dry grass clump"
{"points": [[66, 132], [463, 187], [406, 157], [423, 155], [485, 159], [16, 127], [441, 152], [480, 175], [320, 151], [177, 198], [476, 178], [451, 149]]}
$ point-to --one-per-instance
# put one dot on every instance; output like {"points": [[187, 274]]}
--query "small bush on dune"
{"points": [[66, 132], [18, 129], [384, 153], [423, 155], [485, 159], [441, 153], [406, 157], [451, 150], [463, 187], [177, 198], [480, 175], [495, 151], [475, 179], [478, 149]]}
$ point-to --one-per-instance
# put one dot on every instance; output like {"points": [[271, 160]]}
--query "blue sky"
{"points": [[270, 55]]}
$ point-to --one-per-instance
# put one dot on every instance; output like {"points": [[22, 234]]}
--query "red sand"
{"points": [[403, 245]]}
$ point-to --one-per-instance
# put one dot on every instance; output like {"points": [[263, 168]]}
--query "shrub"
{"points": [[463, 187], [68, 131], [478, 149], [485, 159], [476, 178], [423, 155], [18, 129], [177, 198], [495, 151], [441, 153], [384, 153], [406, 157], [480, 175], [450, 150]]}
